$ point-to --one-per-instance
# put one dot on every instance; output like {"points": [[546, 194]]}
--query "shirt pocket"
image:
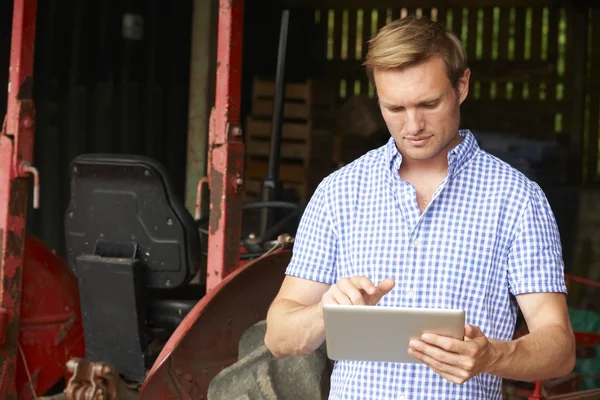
{"points": [[467, 265]]}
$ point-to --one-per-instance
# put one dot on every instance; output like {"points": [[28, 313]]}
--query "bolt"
{"points": [[75, 169], [71, 365], [168, 282], [239, 181], [71, 215], [147, 173], [169, 221], [236, 131], [27, 121]]}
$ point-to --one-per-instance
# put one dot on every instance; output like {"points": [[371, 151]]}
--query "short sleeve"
{"points": [[535, 262], [315, 246]]}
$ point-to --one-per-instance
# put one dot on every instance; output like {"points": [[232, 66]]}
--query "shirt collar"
{"points": [[457, 157]]}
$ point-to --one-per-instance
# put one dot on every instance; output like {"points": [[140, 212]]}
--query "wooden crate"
{"points": [[298, 155]]}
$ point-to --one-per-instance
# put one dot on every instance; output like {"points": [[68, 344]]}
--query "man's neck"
{"points": [[433, 167]]}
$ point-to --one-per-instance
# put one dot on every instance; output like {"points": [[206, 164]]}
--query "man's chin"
{"points": [[420, 155]]}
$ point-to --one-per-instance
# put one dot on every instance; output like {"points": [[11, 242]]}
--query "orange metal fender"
{"points": [[50, 328], [207, 339]]}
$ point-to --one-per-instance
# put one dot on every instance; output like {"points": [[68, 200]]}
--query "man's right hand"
{"points": [[358, 290]]}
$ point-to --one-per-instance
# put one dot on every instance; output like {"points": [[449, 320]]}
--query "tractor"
{"points": [[143, 276], [151, 302]]}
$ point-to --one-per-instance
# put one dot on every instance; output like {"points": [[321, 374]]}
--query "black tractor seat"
{"points": [[134, 248]]}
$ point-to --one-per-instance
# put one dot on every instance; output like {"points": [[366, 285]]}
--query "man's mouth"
{"points": [[418, 140]]}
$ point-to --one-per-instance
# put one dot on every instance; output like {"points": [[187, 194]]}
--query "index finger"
{"points": [[364, 283]]}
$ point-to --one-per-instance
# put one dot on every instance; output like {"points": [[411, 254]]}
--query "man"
{"points": [[429, 220]]}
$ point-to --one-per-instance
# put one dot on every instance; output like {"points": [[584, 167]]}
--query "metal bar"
{"points": [[16, 153], [271, 186], [201, 92], [279, 99], [226, 155]]}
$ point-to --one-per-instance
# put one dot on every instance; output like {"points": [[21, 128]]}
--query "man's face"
{"points": [[421, 108]]}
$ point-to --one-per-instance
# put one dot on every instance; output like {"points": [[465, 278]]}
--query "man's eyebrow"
{"points": [[388, 105], [433, 99], [428, 100]]}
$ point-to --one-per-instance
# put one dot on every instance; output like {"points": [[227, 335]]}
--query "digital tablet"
{"points": [[376, 333]]}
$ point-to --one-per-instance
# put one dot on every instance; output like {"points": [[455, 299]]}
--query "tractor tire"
{"points": [[258, 375]]}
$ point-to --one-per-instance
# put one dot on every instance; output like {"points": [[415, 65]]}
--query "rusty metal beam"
{"points": [[226, 149], [16, 153]]}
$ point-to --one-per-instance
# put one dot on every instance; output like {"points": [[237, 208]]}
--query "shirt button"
{"points": [[411, 294], [401, 397], [417, 243]]}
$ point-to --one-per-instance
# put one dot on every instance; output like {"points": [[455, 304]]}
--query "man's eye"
{"points": [[431, 105]]}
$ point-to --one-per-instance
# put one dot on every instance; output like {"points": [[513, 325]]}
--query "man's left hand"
{"points": [[455, 360]]}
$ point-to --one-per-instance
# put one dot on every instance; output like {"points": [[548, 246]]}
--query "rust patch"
{"points": [[18, 198], [14, 244], [62, 334], [26, 89], [234, 211], [12, 285], [217, 200], [60, 337]]}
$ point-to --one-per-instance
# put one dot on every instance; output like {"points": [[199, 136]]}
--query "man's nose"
{"points": [[415, 122]]}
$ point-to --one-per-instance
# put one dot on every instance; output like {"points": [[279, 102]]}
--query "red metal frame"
{"points": [[50, 328], [16, 154], [207, 340], [226, 150]]}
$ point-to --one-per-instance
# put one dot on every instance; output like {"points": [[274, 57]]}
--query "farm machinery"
{"points": [[151, 302]]}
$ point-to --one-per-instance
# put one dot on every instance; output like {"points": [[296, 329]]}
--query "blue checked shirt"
{"points": [[487, 235]]}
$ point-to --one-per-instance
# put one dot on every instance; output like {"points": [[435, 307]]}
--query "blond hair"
{"points": [[411, 40]]}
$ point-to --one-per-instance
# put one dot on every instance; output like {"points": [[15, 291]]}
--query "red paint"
{"points": [[226, 150], [16, 147], [587, 395], [586, 339], [226, 213], [587, 282], [50, 331], [207, 339]]}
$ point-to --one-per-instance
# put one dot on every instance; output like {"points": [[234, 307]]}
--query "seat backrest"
{"points": [[126, 199]]}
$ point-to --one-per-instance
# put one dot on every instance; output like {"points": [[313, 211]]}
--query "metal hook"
{"points": [[27, 168]]}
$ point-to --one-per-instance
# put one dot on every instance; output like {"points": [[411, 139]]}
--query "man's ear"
{"points": [[463, 85]]}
